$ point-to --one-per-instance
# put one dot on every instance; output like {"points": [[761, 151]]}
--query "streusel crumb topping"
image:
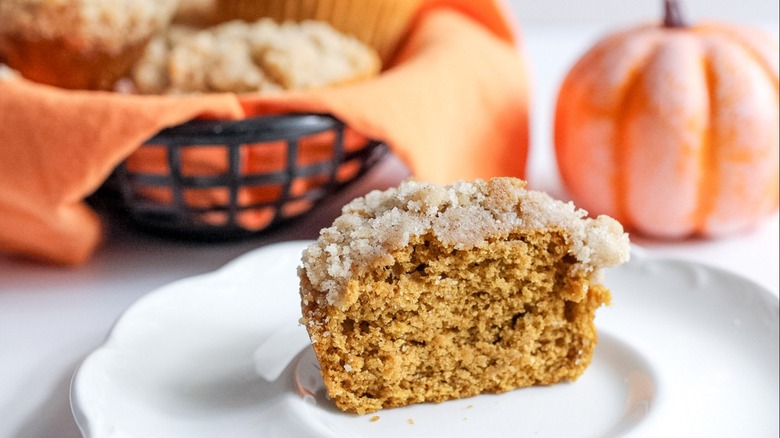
{"points": [[463, 215]]}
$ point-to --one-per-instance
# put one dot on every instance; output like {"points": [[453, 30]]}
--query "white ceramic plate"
{"points": [[685, 350]]}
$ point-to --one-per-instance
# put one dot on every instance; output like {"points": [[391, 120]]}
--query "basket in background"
{"points": [[216, 179]]}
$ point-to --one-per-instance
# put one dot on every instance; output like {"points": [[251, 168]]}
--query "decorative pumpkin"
{"points": [[673, 129]]}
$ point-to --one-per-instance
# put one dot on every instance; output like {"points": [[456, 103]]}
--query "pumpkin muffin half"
{"points": [[426, 293]]}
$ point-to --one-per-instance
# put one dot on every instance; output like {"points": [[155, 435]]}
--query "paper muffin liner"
{"points": [[380, 24], [54, 62]]}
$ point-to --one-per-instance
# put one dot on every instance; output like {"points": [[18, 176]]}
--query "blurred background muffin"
{"points": [[78, 44], [243, 57], [378, 23]]}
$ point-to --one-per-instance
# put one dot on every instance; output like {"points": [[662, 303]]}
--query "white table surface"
{"points": [[51, 318]]}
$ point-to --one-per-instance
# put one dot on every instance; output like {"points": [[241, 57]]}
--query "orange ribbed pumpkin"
{"points": [[673, 129]]}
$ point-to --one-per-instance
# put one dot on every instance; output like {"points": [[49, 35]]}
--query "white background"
{"points": [[622, 12]]}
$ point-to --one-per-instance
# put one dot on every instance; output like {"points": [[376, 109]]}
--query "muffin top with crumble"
{"points": [[462, 215]]}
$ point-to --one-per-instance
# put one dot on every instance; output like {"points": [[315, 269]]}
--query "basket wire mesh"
{"points": [[242, 195]]}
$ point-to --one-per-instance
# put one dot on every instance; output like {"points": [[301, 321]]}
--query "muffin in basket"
{"points": [[78, 44], [378, 23], [260, 56]]}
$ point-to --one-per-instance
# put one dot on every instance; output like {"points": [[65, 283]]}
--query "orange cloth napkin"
{"points": [[453, 105]]}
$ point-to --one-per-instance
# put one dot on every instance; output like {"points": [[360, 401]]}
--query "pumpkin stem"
{"points": [[673, 16]]}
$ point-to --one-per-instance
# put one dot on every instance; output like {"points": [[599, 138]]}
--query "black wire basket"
{"points": [[216, 179]]}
